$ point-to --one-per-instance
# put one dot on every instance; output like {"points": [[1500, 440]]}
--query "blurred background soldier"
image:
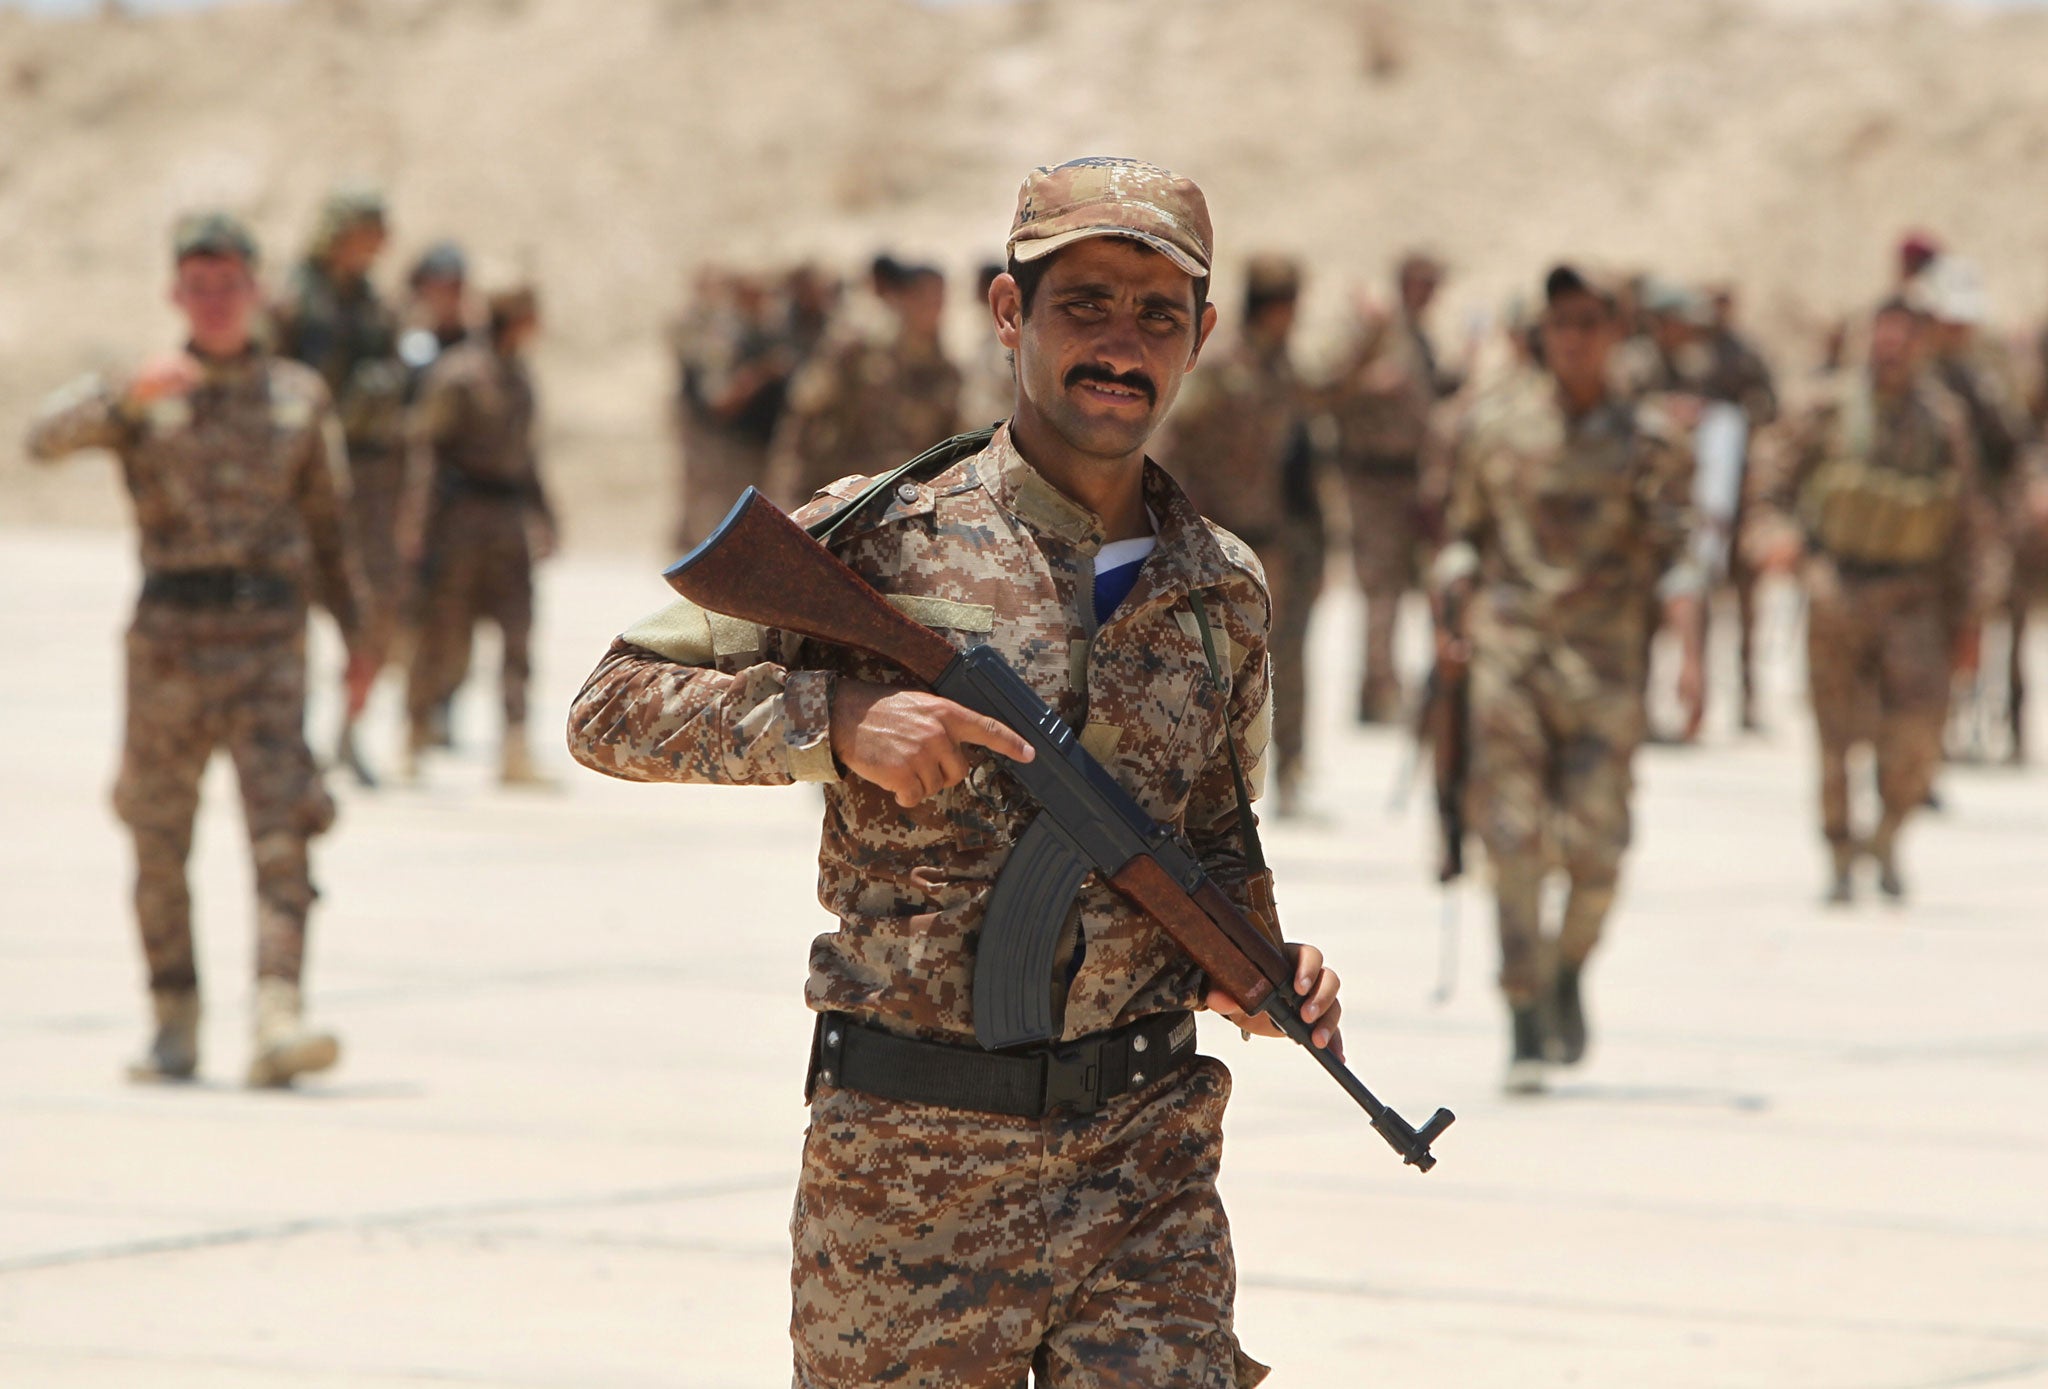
{"points": [[864, 403], [1228, 442], [1971, 366], [1381, 400], [1875, 485], [477, 517], [234, 463], [811, 301], [437, 318], [330, 317], [1737, 373], [734, 362], [1569, 502]]}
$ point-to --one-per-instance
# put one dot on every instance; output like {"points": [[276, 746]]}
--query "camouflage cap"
{"points": [[212, 233], [1104, 196], [441, 261]]}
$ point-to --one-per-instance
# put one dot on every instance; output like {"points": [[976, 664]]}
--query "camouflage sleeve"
{"points": [[1212, 818], [1972, 580], [86, 414], [1760, 392], [686, 695], [337, 577]]}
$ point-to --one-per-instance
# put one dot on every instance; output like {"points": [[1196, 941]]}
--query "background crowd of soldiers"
{"points": [[1901, 475], [1896, 477]]}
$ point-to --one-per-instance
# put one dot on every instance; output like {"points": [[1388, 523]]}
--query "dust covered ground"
{"points": [[607, 149], [1806, 1152]]}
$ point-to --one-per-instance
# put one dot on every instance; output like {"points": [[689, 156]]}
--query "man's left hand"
{"points": [[1318, 989]]}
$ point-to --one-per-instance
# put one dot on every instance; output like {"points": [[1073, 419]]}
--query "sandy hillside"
{"points": [[1783, 142]]}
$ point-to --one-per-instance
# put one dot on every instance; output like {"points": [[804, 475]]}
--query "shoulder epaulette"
{"points": [[930, 463]]}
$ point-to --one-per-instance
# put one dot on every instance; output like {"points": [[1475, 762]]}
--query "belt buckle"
{"points": [[1073, 1078]]}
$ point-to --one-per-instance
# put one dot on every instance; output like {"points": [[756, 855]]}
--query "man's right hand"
{"points": [[173, 374], [911, 743]]}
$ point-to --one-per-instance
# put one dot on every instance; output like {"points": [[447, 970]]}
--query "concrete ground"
{"points": [[1810, 1148]]}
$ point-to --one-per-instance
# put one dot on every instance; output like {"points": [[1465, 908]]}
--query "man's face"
{"points": [[217, 295], [357, 249], [441, 301], [1896, 339], [1110, 333], [1578, 332], [921, 304], [1418, 288]]}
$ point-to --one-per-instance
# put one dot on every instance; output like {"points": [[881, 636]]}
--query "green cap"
{"points": [[350, 205], [212, 234]]}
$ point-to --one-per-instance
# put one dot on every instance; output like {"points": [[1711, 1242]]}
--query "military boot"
{"points": [[1842, 869], [1566, 1042], [1525, 1066], [518, 768], [285, 1046], [174, 1052]]}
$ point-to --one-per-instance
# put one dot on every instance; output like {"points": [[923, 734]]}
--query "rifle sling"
{"points": [[936, 459]]}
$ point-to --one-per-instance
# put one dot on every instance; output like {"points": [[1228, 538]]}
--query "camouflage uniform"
{"points": [[349, 335], [473, 430], [937, 1246], [1885, 494], [861, 406], [1565, 525], [1229, 441], [1381, 402], [235, 488]]}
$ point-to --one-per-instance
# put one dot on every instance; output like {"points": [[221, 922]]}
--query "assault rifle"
{"points": [[760, 566]]}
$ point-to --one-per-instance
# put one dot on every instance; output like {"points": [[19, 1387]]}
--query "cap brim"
{"points": [[1039, 249]]}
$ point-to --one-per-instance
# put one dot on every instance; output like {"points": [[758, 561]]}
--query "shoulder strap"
{"points": [[1254, 852], [931, 462]]}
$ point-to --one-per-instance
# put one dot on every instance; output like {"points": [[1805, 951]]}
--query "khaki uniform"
{"points": [[1565, 526], [236, 489], [1886, 495], [861, 406], [1381, 403], [479, 488], [1228, 442], [350, 336], [938, 1246]]}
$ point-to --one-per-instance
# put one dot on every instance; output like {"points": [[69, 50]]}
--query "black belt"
{"points": [[220, 588], [1081, 1075]]}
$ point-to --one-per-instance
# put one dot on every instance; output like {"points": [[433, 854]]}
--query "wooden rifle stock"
{"points": [[763, 567]]}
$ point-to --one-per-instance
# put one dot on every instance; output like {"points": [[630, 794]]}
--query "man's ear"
{"points": [[1006, 306], [1202, 331]]}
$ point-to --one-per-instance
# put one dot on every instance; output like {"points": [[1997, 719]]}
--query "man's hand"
{"points": [[161, 378], [1318, 989], [911, 743]]}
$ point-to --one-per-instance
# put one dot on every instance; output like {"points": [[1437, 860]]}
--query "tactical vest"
{"points": [[1891, 503]]}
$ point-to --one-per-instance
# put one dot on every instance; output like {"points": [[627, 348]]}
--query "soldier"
{"points": [[233, 459], [1737, 373], [1229, 442], [1569, 503], [477, 517], [938, 1241], [1381, 400], [439, 312], [734, 363], [331, 318], [1875, 486], [865, 404], [1972, 368]]}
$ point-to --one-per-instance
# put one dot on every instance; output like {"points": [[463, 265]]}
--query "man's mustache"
{"points": [[1130, 380]]}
